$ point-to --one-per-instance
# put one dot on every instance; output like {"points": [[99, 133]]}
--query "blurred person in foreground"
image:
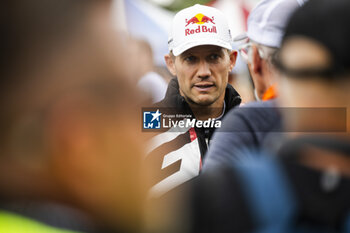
{"points": [[201, 58], [70, 155], [255, 125], [307, 187]]}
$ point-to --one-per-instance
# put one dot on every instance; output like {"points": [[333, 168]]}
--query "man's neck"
{"points": [[205, 112]]}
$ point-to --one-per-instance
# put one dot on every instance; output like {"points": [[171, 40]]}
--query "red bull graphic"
{"points": [[200, 19], [193, 20], [206, 19]]}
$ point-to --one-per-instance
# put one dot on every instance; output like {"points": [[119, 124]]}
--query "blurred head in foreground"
{"points": [[67, 133], [314, 62]]}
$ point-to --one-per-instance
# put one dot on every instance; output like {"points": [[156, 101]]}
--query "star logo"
{"points": [[156, 115], [151, 119]]}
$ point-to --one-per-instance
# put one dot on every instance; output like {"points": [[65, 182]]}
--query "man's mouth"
{"points": [[203, 86]]}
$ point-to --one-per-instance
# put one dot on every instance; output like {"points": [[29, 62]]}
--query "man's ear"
{"points": [[70, 140], [170, 63], [255, 60], [233, 58]]}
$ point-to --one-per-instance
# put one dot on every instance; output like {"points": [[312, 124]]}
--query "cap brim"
{"points": [[208, 41], [240, 37]]}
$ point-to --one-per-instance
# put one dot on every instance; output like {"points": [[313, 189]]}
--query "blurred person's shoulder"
{"points": [[259, 116], [46, 217], [274, 192]]}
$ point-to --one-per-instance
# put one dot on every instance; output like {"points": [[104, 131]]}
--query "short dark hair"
{"points": [[326, 22], [30, 32]]}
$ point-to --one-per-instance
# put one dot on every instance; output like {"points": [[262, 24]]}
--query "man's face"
{"points": [[202, 73]]}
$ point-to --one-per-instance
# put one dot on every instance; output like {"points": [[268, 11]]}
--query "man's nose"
{"points": [[203, 70]]}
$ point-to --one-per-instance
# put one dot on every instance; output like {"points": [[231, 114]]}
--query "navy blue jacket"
{"points": [[244, 129]]}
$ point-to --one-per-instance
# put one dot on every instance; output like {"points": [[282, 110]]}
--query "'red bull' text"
{"points": [[200, 29]]}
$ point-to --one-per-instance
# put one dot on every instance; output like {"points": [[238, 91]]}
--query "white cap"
{"points": [[199, 25], [267, 21]]}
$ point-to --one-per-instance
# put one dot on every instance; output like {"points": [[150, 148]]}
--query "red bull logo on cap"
{"points": [[200, 19]]}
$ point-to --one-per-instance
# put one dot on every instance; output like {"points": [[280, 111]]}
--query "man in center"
{"points": [[201, 58]]}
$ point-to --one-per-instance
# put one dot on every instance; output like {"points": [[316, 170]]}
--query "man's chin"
{"points": [[204, 102]]}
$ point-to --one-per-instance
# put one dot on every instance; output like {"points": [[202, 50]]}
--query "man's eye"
{"points": [[190, 59], [214, 57]]}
